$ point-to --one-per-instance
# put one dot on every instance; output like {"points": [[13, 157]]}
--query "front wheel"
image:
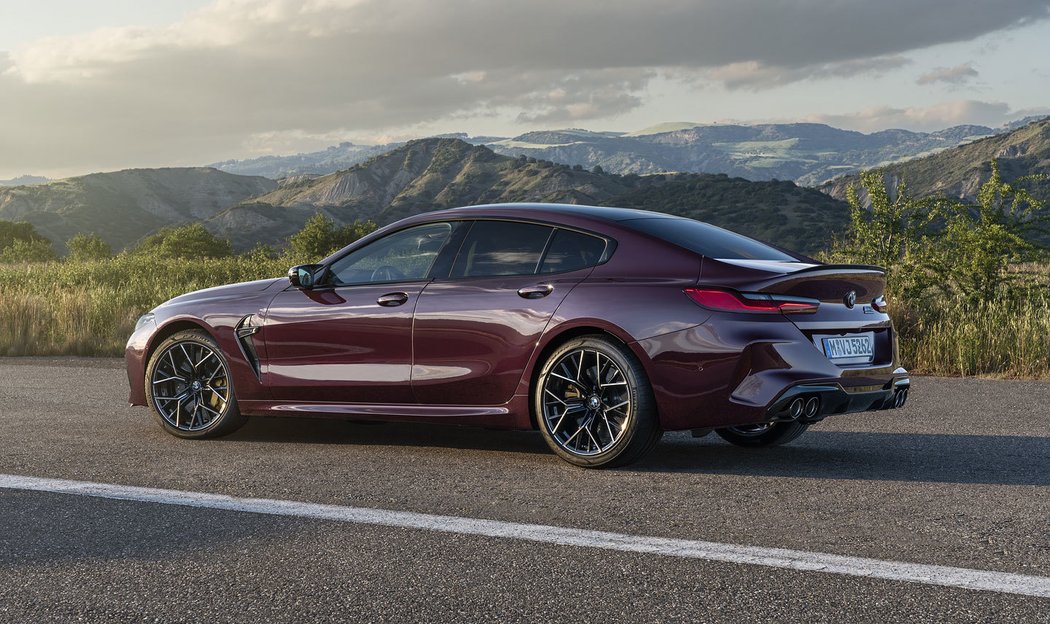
{"points": [[764, 434], [188, 387], [594, 405]]}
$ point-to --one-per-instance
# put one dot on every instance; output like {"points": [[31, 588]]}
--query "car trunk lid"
{"points": [[847, 296]]}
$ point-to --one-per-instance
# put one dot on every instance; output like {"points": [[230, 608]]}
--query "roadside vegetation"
{"points": [[969, 284], [87, 304]]}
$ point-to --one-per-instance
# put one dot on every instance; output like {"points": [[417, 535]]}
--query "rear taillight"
{"points": [[880, 305], [761, 303]]}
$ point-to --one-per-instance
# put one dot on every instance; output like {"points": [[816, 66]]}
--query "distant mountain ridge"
{"points": [[430, 174], [420, 176], [123, 206], [807, 153], [25, 180], [960, 172]]}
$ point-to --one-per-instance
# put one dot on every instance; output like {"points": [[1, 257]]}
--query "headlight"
{"points": [[145, 318]]}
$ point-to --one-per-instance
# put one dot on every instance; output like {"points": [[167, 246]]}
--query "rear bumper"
{"points": [[745, 369], [835, 398]]}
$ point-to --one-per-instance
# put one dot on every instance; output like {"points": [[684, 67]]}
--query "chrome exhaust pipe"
{"points": [[796, 407], [898, 401], [812, 407]]}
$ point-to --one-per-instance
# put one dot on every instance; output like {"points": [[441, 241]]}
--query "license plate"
{"points": [[851, 349]]}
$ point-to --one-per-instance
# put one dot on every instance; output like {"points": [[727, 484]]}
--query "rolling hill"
{"points": [[960, 171], [430, 174], [124, 206], [420, 176]]}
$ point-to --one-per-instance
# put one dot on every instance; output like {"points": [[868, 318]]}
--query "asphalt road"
{"points": [[961, 477]]}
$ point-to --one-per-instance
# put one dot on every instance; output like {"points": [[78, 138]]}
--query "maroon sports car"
{"points": [[601, 327]]}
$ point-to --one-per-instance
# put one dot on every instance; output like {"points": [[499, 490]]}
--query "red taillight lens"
{"points": [[762, 303], [880, 305]]}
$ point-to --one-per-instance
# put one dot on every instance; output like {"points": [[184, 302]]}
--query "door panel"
{"points": [[473, 337], [350, 341], [350, 344]]}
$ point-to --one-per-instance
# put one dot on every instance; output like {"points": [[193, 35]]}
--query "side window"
{"points": [[571, 251], [501, 248], [402, 256]]}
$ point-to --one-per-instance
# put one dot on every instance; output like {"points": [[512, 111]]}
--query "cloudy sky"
{"points": [[107, 84]]}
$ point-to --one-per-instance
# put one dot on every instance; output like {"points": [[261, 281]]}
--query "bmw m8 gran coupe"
{"points": [[600, 327]]}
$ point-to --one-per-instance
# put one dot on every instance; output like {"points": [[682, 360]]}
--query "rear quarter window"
{"points": [[707, 240], [571, 251]]}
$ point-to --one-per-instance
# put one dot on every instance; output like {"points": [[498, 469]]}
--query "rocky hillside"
{"points": [[959, 172], [430, 174], [124, 206]]}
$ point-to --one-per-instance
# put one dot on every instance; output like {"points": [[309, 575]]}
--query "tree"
{"points": [[985, 238], [321, 237], [893, 233], [958, 248], [28, 251], [86, 247], [597, 169], [187, 241], [20, 242], [20, 230]]}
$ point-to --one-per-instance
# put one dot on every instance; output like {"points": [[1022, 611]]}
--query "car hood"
{"points": [[226, 292]]}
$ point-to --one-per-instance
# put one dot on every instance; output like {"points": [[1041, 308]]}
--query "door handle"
{"points": [[390, 300], [535, 292]]}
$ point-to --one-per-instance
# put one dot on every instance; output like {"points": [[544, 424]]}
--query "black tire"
{"points": [[753, 436], [616, 434], [210, 402]]}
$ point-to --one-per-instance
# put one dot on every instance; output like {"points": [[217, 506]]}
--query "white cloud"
{"points": [[956, 75], [936, 117], [756, 75], [226, 75]]}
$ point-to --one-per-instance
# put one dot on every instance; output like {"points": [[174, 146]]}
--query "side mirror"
{"points": [[305, 275]]}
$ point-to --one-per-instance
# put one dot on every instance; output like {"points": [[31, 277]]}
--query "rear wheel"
{"points": [[189, 389], [594, 405], [763, 434]]}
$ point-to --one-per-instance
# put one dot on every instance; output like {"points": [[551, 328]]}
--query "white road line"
{"points": [[692, 549]]}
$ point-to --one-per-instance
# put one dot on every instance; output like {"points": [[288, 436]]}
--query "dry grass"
{"points": [[991, 338], [90, 308]]}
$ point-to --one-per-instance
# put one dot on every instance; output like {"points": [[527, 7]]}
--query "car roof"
{"points": [[542, 210]]}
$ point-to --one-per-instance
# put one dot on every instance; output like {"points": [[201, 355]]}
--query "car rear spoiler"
{"points": [[840, 267]]}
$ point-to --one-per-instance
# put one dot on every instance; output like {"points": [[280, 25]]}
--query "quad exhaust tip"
{"points": [[796, 407], [812, 407], [901, 398]]}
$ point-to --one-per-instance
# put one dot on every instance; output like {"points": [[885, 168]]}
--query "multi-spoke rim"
{"points": [[190, 386], [587, 402], [752, 430]]}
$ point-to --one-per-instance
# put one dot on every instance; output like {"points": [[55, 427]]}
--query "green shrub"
{"points": [[186, 242], [27, 251], [84, 247]]}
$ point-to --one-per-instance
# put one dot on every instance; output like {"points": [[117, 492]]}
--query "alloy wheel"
{"points": [[190, 386], [587, 403]]}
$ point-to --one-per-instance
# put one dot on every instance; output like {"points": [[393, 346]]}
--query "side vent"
{"points": [[245, 329]]}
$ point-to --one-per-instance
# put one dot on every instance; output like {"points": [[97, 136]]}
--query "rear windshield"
{"points": [[708, 240]]}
